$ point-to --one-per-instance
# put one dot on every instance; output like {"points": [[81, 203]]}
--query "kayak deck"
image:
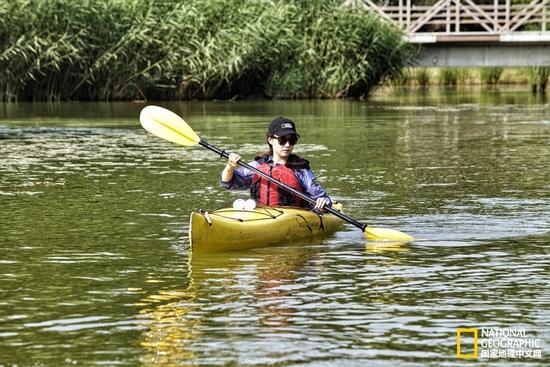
{"points": [[231, 229]]}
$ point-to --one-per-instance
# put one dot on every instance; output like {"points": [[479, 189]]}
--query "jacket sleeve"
{"points": [[310, 186], [242, 178]]}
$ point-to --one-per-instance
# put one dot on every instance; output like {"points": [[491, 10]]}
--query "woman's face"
{"points": [[283, 146]]}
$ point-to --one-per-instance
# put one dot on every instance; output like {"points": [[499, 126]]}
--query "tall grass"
{"points": [[145, 49], [538, 79], [423, 77], [448, 77], [452, 77], [490, 76], [405, 77], [410, 76]]}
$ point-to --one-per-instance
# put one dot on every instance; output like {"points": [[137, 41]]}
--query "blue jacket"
{"points": [[242, 179]]}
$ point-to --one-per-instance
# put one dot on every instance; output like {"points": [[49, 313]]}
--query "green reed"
{"points": [[538, 79], [145, 49], [490, 76], [452, 77], [423, 77]]}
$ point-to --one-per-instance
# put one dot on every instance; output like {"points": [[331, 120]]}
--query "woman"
{"points": [[281, 164]]}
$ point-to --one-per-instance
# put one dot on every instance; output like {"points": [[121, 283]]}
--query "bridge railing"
{"points": [[463, 17]]}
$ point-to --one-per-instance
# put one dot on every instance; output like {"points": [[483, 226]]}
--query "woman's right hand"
{"points": [[232, 160], [227, 173]]}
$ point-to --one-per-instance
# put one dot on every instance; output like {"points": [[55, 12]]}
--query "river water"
{"points": [[94, 258]]}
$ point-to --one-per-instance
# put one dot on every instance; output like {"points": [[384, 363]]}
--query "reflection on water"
{"points": [[95, 266], [386, 246], [179, 320], [169, 329], [292, 304]]}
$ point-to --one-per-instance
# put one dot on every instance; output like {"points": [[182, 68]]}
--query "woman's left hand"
{"points": [[320, 203]]}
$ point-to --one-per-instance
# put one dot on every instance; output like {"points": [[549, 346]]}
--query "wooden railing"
{"points": [[464, 17]]}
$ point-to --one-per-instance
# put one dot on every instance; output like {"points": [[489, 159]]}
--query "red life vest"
{"points": [[267, 193]]}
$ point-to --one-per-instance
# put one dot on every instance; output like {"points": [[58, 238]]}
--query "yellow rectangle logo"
{"points": [[459, 332]]}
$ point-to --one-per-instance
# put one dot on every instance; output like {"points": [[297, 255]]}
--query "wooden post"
{"points": [[448, 20], [544, 19], [507, 10], [495, 4], [408, 13], [401, 13], [457, 17]]}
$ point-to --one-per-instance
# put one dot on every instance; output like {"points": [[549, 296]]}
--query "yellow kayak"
{"points": [[231, 229]]}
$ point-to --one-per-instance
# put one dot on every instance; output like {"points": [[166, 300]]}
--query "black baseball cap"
{"points": [[282, 126]]}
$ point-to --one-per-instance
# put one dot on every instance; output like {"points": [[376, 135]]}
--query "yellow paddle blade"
{"points": [[167, 125], [386, 234]]}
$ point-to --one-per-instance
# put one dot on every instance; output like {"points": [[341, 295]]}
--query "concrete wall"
{"points": [[492, 55]]}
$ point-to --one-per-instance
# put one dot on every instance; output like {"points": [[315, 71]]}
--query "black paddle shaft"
{"points": [[340, 215]]}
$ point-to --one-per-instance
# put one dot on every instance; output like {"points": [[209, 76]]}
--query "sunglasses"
{"points": [[290, 138]]}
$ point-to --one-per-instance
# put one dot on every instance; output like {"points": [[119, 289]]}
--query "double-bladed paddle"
{"points": [[167, 125]]}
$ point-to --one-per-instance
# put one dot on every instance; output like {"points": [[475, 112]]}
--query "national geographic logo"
{"points": [[460, 332], [492, 343]]}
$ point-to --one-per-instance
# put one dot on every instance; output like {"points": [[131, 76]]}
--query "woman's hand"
{"points": [[227, 173], [232, 160], [320, 203]]}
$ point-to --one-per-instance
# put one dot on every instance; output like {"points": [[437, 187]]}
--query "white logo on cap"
{"points": [[286, 125]]}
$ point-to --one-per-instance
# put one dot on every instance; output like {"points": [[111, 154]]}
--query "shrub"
{"points": [[114, 49]]}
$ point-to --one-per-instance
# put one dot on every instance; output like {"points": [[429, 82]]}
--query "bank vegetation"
{"points": [[193, 49], [534, 78]]}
